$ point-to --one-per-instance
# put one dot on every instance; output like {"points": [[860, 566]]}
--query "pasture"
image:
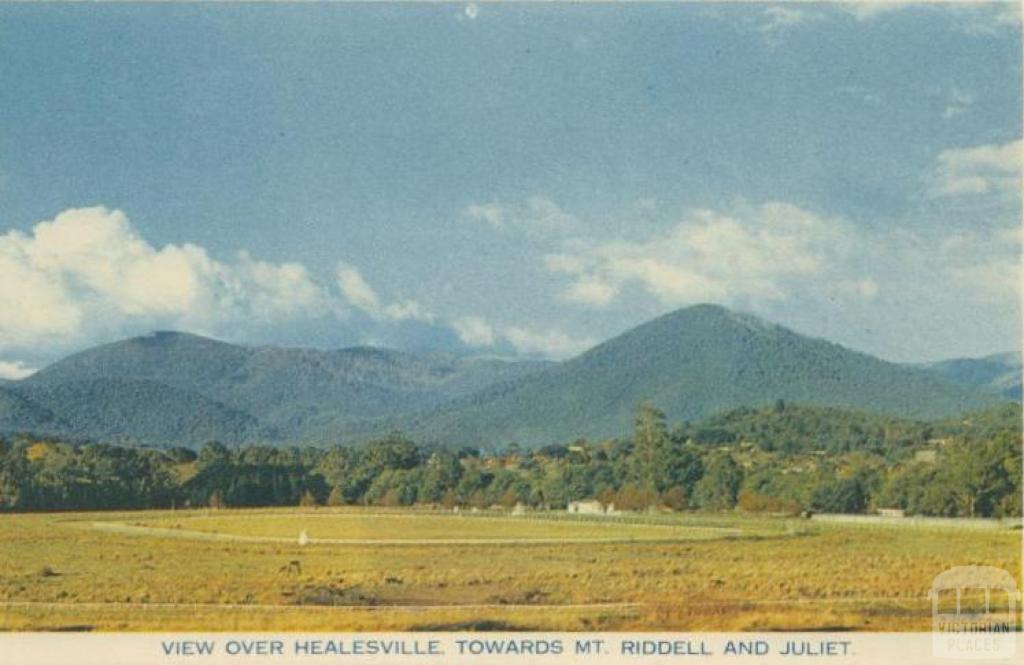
{"points": [[362, 569]]}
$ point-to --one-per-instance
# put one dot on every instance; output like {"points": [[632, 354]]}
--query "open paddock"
{"points": [[416, 570]]}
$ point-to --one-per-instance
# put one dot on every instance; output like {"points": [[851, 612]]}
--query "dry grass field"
{"points": [[363, 570]]}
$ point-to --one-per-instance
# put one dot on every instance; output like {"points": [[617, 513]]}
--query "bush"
{"points": [[753, 502]]}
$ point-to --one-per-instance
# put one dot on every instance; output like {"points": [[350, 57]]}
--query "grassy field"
{"points": [[362, 570]]}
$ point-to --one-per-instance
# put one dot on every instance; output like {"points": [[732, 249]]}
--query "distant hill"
{"points": [[1001, 372], [178, 387], [692, 363], [137, 411], [20, 414], [172, 387]]}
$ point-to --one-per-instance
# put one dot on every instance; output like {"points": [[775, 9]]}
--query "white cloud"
{"points": [[988, 261], [778, 19], [993, 19], [549, 343], [865, 10], [973, 17], [590, 291], [15, 370], [87, 273], [474, 331], [537, 217], [358, 293], [757, 252], [979, 170], [356, 290], [492, 214]]}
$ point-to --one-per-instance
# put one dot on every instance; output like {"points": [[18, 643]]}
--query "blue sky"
{"points": [[510, 179]]}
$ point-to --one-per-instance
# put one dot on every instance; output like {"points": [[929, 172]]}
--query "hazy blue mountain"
{"points": [[261, 392], [1001, 372], [139, 411], [20, 414], [173, 358], [180, 388], [692, 363]]}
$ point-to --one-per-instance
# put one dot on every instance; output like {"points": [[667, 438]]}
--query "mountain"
{"points": [[177, 388], [138, 411], [20, 414], [1000, 372], [692, 363], [186, 388]]}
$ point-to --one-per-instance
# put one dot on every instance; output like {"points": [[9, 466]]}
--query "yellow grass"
{"points": [[162, 571]]}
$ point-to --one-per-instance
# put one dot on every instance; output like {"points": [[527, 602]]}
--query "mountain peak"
{"points": [[712, 312], [173, 337]]}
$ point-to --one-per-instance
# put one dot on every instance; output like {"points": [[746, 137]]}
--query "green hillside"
{"points": [[693, 363], [146, 412], [234, 393], [20, 414]]}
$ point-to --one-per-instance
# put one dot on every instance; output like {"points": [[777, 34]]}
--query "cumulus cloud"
{"points": [[15, 370], [779, 18], [358, 293], [537, 217], [973, 18], [755, 252], [548, 343], [87, 272], [474, 331], [986, 261], [477, 332], [865, 10], [776, 20], [978, 170], [591, 291], [356, 290]]}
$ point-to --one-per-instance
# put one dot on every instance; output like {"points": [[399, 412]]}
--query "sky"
{"points": [[508, 179]]}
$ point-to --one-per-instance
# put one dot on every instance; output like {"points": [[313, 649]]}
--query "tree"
{"points": [[217, 500], [441, 473], [335, 498], [510, 498], [212, 453], [650, 445], [477, 499], [393, 452], [634, 497], [308, 500], [843, 495], [720, 484], [674, 498]]}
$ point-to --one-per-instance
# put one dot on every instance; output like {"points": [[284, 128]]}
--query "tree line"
{"points": [[779, 459]]}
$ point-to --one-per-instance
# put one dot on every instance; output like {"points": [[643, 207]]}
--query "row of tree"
{"points": [[970, 467]]}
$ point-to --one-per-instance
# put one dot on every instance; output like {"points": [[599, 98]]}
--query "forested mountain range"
{"points": [[1001, 372], [172, 388]]}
